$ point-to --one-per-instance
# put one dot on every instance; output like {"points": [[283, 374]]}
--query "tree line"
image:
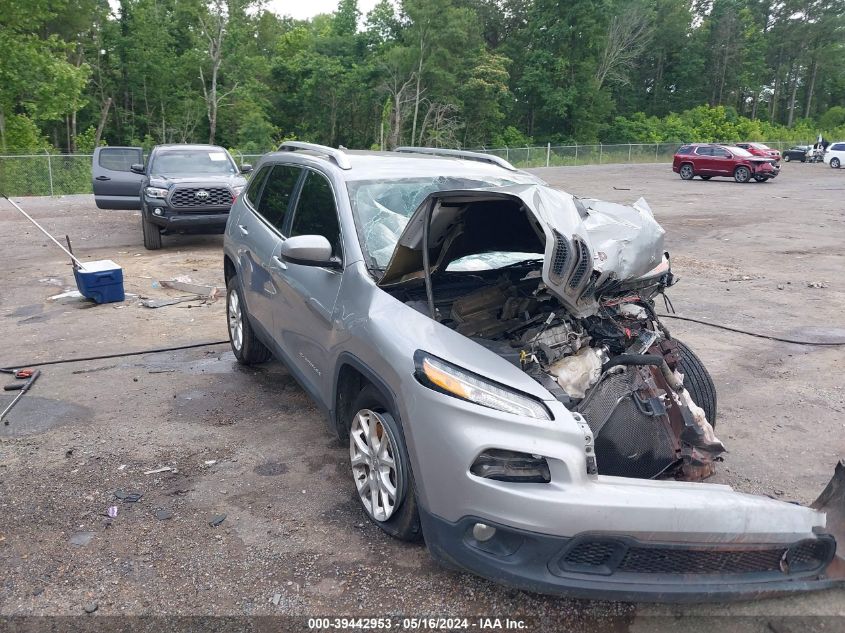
{"points": [[458, 73]]}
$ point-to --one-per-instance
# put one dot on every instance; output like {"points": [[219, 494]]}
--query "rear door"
{"points": [[262, 234], [116, 186], [704, 160]]}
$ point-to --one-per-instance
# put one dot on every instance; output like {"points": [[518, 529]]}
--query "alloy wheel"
{"points": [[377, 476], [686, 172], [235, 319]]}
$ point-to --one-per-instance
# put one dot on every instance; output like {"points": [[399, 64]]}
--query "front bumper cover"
{"points": [[605, 565], [180, 221]]}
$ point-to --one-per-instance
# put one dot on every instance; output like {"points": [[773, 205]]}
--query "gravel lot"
{"points": [[248, 444]]}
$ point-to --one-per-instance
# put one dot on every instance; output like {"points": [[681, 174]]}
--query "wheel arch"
{"points": [[350, 377], [228, 268]]}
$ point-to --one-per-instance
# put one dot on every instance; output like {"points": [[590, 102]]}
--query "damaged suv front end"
{"points": [[588, 485], [491, 349]]}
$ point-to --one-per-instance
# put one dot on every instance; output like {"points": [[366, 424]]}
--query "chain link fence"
{"points": [[47, 174], [602, 154]]}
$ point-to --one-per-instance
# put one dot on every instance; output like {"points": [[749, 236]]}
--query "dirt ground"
{"points": [[248, 443]]}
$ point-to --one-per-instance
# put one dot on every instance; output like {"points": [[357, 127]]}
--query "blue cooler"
{"points": [[101, 281]]}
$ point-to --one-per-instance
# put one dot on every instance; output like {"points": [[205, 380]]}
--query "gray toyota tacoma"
{"points": [[180, 189]]}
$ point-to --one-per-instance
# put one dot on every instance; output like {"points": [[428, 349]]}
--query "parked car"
{"points": [[707, 160], [181, 189], [798, 152], [488, 347], [835, 155], [760, 149]]}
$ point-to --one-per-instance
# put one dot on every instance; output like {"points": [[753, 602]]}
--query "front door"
{"points": [[723, 163], [303, 320], [115, 185], [262, 231]]}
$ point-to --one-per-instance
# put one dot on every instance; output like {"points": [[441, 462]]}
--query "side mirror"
{"points": [[308, 250], [246, 168], [138, 168]]}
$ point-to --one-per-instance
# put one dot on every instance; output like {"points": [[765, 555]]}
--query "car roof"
{"points": [[197, 146], [367, 165]]}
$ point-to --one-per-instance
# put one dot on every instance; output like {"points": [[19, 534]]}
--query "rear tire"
{"points": [[742, 174], [152, 234], [834, 162], [686, 172], [247, 348], [697, 381], [403, 520], [787, 158]]}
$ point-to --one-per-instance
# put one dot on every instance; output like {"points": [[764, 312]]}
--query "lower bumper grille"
{"points": [[606, 556]]}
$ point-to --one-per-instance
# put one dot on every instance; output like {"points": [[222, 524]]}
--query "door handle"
{"points": [[279, 263], [102, 178], [243, 229]]}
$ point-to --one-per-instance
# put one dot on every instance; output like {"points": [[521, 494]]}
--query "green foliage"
{"points": [[461, 73]]}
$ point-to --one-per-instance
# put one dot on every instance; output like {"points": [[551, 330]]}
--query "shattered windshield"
{"points": [[383, 207]]}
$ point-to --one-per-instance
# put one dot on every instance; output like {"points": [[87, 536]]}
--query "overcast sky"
{"points": [[302, 9]]}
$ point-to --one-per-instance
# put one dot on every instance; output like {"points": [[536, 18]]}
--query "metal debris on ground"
{"points": [[216, 520], [112, 512], [161, 303], [33, 376], [155, 471], [186, 284]]}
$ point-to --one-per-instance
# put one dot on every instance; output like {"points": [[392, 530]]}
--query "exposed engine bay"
{"points": [[585, 330]]}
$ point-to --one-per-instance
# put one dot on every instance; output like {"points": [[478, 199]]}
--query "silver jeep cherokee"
{"points": [[490, 348]]}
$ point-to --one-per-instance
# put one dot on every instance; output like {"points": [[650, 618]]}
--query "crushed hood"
{"points": [[586, 243]]}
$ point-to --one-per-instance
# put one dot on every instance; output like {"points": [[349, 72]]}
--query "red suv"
{"points": [[707, 160], [759, 149]]}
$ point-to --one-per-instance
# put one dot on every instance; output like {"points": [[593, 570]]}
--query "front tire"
{"points": [[247, 348], [152, 234], [381, 468], [834, 162], [742, 174], [686, 172], [697, 381]]}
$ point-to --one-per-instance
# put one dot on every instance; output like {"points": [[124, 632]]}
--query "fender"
{"points": [[347, 358]]}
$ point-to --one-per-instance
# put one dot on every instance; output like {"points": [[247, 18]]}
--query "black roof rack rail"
{"points": [[337, 155], [459, 153]]}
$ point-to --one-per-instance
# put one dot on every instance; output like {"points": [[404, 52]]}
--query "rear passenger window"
{"points": [[316, 213], [838, 147], [704, 151], [278, 190], [254, 187]]}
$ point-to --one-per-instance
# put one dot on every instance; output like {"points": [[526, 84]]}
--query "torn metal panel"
{"points": [[583, 242]]}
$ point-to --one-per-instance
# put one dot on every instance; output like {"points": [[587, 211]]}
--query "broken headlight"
{"points": [[446, 378]]}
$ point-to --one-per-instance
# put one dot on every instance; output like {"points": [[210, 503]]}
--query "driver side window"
{"points": [[316, 212]]}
